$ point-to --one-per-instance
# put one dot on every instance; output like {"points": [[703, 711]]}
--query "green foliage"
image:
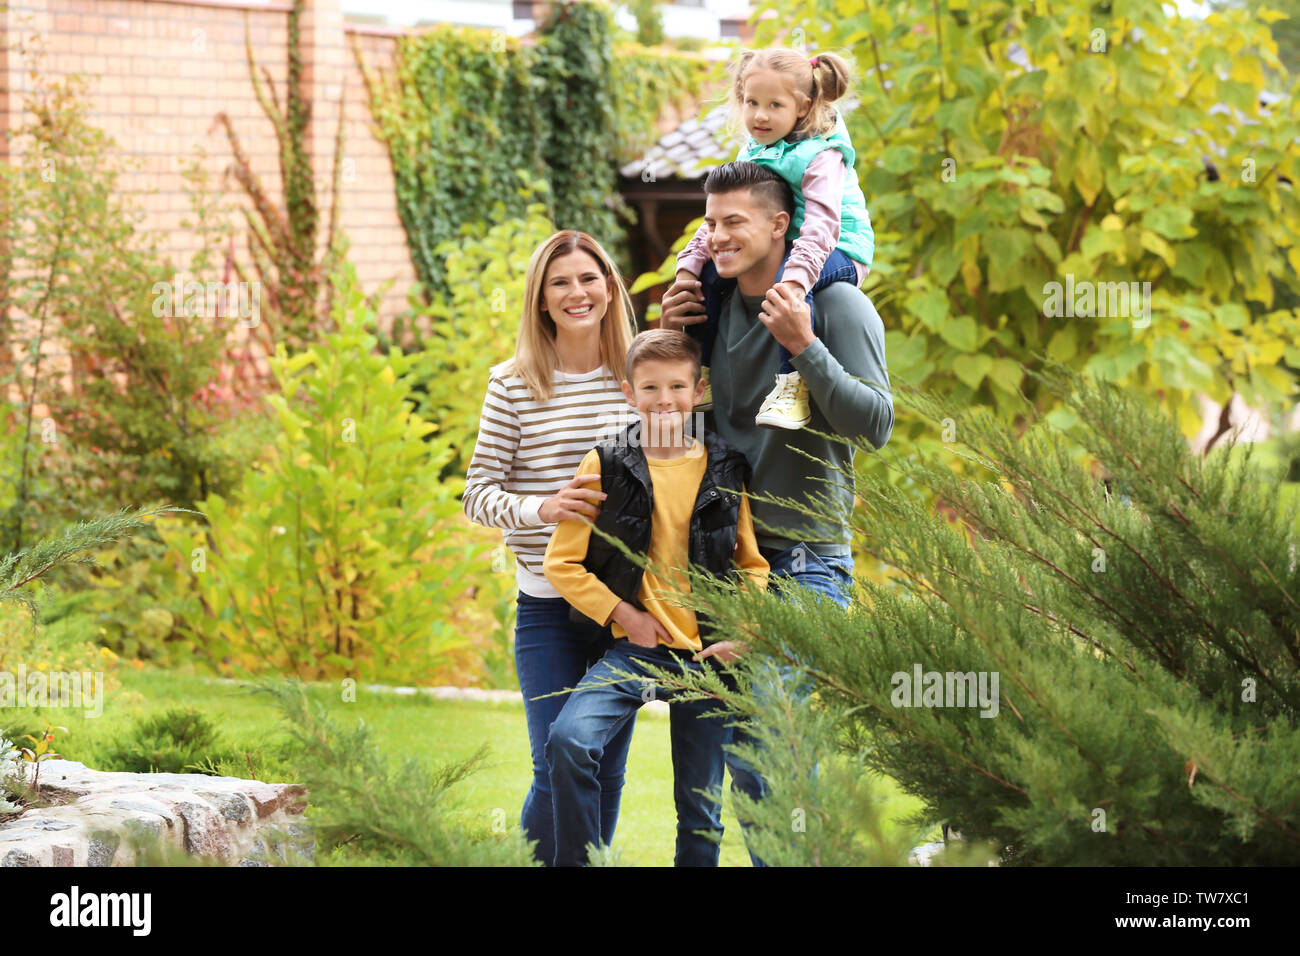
{"points": [[139, 423], [292, 259], [1283, 19], [574, 65], [401, 816], [649, 21], [987, 180], [335, 557], [1147, 700], [645, 79], [456, 118], [469, 116], [181, 740], [465, 331], [74, 545]]}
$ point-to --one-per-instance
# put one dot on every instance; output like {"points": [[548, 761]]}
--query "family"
{"points": [[767, 290]]}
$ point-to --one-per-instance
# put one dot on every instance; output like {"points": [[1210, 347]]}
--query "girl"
{"points": [[544, 410], [784, 100]]}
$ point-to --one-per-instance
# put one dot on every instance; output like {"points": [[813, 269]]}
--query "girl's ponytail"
{"points": [[830, 77], [738, 69]]}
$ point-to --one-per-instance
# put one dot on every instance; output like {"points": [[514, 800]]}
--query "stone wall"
{"points": [[110, 819]]}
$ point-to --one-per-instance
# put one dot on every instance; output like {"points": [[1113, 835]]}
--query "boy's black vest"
{"points": [[625, 514]]}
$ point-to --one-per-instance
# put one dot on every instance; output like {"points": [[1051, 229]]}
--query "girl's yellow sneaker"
{"points": [[786, 406]]}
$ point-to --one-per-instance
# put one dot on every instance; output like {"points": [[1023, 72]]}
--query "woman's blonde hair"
{"points": [[535, 359], [823, 78]]}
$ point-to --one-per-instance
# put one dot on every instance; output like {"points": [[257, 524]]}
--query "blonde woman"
{"points": [[545, 409]]}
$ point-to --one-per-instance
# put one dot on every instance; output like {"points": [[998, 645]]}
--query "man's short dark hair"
{"points": [[766, 186]]}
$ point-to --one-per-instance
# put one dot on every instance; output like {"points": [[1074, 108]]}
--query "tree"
{"points": [[1095, 664], [1036, 178]]}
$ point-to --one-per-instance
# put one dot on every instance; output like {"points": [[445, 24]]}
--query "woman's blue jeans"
{"points": [[553, 653]]}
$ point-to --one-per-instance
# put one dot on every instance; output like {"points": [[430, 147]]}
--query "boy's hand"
{"points": [[724, 651], [573, 500], [642, 628]]}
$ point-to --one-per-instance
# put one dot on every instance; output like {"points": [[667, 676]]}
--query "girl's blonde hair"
{"points": [[822, 78], [535, 359]]}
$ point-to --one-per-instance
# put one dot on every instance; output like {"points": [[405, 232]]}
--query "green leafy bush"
{"points": [[339, 555], [180, 740]]}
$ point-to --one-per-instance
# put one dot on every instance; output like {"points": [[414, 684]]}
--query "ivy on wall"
{"points": [[471, 115]]}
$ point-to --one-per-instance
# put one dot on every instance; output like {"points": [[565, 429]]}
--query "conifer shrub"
{"points": [[180, 740], [369, 807], [1093, 663]]}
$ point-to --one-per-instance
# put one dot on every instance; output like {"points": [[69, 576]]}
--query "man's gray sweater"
{"points": [[745, 363]]}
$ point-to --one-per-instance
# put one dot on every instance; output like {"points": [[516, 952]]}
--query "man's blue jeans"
{"points": [[831, 575], [598, 711], [551, 654]]}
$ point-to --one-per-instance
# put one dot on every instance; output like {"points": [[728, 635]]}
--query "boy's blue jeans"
{"points": [[838, 268], [551, 654], [596, 714], [831, 575]]}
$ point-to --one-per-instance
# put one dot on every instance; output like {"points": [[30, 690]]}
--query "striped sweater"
{"points": [[526, 450]]}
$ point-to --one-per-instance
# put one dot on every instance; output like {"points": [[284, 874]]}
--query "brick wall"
{"points": [[161, 70]]}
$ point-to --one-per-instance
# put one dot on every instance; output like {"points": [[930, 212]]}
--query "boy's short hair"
{"points": [[665, 345]]}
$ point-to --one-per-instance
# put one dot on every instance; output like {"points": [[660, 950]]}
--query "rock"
{"points": [[119, 819], [102, 848]]}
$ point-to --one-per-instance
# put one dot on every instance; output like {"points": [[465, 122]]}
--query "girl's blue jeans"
{"points": [[838, 268], [553, 653]]}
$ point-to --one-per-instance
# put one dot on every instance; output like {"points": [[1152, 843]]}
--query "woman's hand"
{"points": [[642, 628], [572, 501]]}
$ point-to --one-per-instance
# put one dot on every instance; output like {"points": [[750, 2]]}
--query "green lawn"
{"points": [[434, 731]]}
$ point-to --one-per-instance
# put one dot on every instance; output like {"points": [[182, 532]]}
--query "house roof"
{"points": [[689, 151]]}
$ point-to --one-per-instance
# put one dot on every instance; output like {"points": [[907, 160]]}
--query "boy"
{"points": [[667, 496]]}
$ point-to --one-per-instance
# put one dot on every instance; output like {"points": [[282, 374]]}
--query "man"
{"points": [[748, 210]]}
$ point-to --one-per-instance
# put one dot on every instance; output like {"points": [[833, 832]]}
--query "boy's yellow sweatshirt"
{"points": [[676, 483]]}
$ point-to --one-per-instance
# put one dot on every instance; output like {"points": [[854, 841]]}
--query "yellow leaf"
{"points": [[1087, 171], [970, 273], [1112, 223]]}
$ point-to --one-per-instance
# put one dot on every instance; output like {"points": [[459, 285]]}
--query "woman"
{"points": [[544, 410]]}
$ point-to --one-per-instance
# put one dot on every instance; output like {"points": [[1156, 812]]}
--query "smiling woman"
{"points": [[545, 409]]}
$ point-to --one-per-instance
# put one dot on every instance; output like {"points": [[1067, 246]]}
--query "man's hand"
{"points": [[724, 651], [572, 501], [642, 629], [786, 317], [683, 303]]}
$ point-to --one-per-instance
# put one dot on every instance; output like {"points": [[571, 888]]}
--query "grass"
{"points": [[435, 731]]}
